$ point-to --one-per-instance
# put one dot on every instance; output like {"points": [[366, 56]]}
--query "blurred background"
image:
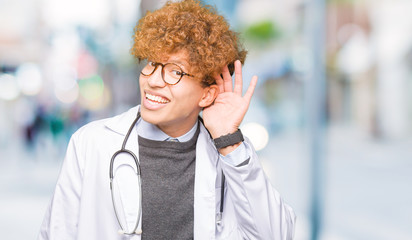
{"points": [[331, 117]]}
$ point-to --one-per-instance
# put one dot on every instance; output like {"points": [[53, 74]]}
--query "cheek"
{"points": [[189, 97]]}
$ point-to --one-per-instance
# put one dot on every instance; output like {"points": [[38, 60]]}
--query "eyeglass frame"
{"points": [[156, 64]]}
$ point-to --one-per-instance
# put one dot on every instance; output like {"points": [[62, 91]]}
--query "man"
{"points": [[199, 179]]}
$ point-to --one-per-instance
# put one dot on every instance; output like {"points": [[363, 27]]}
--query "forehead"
{"points": [[181, 58]]}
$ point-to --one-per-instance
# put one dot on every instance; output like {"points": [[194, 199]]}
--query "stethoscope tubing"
{"points": [[138, 173], [121, 231]]}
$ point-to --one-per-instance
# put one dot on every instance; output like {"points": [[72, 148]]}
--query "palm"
{"points": [[229, 108]]}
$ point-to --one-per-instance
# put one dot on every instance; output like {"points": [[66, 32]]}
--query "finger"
{"points": [[251, 88], [227, 79], [238, 77], [219, 82]]}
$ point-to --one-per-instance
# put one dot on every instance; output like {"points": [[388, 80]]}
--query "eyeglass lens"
{"points": [[171, 72]]}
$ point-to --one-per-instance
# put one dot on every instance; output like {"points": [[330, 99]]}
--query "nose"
{"points": [[156, 79]]}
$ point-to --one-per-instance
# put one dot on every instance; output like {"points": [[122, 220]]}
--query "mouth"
{"points": [[156, 99]]}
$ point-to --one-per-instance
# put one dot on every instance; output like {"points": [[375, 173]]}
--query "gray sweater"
{"points": [[168, 175]]}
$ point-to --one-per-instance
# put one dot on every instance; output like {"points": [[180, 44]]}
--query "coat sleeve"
{"points": [[260, 211], [60, 221]]}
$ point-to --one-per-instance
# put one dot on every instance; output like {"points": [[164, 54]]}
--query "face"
{"points": [[172, 108]]}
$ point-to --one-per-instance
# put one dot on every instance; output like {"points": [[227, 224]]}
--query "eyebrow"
{"points": [[183, 64]]}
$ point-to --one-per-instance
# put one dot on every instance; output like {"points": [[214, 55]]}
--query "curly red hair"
{"points": [[194, 28]]}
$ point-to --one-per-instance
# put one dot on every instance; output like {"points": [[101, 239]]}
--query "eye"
{"points": [[177, 72], [151, 63]]}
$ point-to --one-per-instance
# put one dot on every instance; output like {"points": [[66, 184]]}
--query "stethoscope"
{"points": [[123, 150]]}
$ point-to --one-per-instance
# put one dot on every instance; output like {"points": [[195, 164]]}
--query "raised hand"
{"points": [[229, 107]]}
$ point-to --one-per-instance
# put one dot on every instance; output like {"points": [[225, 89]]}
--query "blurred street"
{"points": [[367, 192]]}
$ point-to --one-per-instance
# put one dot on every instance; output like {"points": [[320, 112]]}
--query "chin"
{"points": [[152, 117], [146, 115]]}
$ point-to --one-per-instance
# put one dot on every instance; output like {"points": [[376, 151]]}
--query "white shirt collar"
{"points": [[152, 132]]}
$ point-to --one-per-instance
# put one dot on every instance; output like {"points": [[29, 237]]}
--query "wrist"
{"points": [[227, 140], [219, 133]]}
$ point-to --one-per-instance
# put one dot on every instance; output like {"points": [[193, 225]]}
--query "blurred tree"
{"points": [[262, 32]]}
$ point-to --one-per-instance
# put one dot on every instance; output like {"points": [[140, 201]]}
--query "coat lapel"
{"points": [[121, 124], [204, 203]]}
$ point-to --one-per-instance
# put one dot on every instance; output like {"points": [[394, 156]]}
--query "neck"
{"points": [[177, 130]]}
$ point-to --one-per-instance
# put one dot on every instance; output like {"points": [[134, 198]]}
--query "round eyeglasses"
{"points": [[171, 72]]}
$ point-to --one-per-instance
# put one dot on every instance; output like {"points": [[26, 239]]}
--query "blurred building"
{"points": [[64, 63]]}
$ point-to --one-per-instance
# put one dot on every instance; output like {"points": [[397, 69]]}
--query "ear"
{"points": [[209, 95]]}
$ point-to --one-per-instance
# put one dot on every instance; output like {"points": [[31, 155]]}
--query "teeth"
{"points": [[156, 99]]}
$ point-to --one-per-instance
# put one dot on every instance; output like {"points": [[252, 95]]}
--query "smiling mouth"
{"points": [[157, 99]]}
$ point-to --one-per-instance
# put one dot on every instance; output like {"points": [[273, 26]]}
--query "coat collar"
{"points": [[121, 123]]}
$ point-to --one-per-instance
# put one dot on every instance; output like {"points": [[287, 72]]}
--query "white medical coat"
{"points": [[81, 207]]}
